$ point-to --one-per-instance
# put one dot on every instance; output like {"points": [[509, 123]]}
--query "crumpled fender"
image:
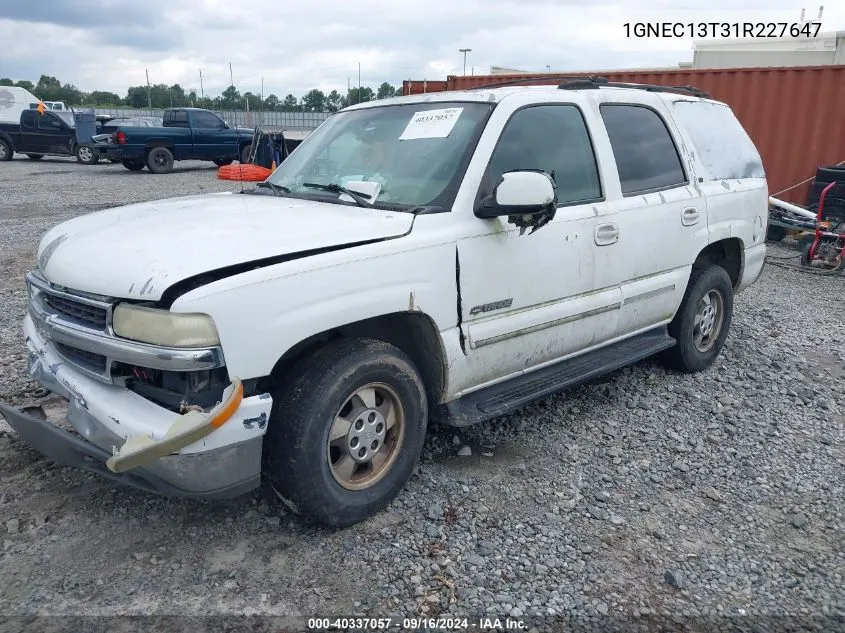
{"points": [[138, 450]]}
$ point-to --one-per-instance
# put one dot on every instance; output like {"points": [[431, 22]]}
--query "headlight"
{"points": [[161, 327]]}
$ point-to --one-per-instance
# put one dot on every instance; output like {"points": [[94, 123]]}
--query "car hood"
{"points": [[138, 251]]}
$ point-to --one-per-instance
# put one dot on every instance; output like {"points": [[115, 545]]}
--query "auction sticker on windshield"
{"points": [[431, 124]]}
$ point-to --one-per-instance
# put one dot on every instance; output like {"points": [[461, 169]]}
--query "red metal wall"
{"points": [[420, 86], [794, 115]]}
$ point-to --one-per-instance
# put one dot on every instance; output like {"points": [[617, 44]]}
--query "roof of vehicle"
{"points": [[495, 94]]}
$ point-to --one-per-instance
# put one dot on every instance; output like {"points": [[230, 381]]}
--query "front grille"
{"points": [[82, 313], [89, 360]]}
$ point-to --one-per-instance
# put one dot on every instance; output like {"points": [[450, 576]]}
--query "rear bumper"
{"points": [[99, 419]]}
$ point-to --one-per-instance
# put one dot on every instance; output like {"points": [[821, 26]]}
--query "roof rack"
{"points": [[594, 82], [599, 82], [529, 80]]}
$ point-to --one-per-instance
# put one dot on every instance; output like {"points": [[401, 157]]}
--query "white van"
{"points": [[13, 101]]}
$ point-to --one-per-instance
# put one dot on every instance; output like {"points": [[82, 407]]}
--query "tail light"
{"points": [[120, 138]]}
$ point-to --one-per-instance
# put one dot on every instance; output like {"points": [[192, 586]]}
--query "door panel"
{"points": [[532, 298], [53, 136], [660, 231]]}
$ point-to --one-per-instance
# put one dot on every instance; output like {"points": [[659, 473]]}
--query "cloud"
{"points": [[109, 44]]}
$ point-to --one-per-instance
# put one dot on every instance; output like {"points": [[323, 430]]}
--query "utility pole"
{"points": [[202, 92], [359, 82], [149, 95], [465, 51], [548, 68], [231, 80]]}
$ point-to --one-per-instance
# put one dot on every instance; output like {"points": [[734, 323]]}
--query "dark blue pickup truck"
{"points": [[186, 134]]}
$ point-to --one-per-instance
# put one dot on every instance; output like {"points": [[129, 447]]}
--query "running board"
{"points": [[504, 397]]}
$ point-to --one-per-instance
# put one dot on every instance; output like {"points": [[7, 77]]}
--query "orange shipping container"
{"points": [[794, 115]]}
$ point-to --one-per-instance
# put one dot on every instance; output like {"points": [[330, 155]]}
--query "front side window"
{"points": [[645, 153], [416, 152], [49, 123], [206, 120], [28, 118], [550, 138]]}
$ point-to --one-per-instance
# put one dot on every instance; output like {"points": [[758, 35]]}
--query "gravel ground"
{"points": [[645, 497]]}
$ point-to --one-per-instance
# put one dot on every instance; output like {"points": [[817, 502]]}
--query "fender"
{"points": [[263, 313]]}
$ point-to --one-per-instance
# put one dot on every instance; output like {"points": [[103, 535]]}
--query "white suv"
{"points": [[447, 256]]}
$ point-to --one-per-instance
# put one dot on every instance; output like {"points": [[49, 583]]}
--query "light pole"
{"points": [[548, 68], [465, 51]]}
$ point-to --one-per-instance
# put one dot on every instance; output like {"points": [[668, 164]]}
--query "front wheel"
{"points": [[346, 431], [133, 164], [246, 153], [701, 325], [6, 152]]}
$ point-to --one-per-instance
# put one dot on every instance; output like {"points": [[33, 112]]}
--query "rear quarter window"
{"points": [[722, 144]]}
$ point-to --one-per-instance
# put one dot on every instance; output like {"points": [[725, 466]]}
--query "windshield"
{"points": [[398, 155]]}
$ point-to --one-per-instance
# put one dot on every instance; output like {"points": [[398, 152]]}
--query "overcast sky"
{"points": [[295, 46]]}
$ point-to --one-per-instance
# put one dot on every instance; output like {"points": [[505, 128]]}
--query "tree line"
{"points": [[163, 96]]}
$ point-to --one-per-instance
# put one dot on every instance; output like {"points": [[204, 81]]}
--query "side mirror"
{"points": [[225, 125], [520, 193]]}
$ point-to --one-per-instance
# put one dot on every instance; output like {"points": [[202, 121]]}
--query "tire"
{"points": [[87, 155], [775, 233], [837, 192], [133, 164], [246, 150], [35, 156], [301, 465], [831, 173], [160, 160], [804, 247], [707, 286], [220, 162], [6, 151]]}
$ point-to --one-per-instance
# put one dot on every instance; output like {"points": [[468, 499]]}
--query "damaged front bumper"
{"points": [[222, 463]]}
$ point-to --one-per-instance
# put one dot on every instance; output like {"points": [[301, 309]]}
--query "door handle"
{"points": [[606, 234], [689, 216]]}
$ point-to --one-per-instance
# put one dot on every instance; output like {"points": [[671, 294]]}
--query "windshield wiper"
{"points": [[278, 190], [360, 198]]}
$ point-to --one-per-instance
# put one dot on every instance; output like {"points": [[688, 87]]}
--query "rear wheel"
{"points": [[35, 156], [5, 150], [346, 431], [87, 155], [701, 325], [246, 153], [160, 160], [133, 164]]}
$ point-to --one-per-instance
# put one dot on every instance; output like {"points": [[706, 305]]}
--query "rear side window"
{"points": [[645, 153], [28, 118], [554, 139], [722, 144], [177, 118]]}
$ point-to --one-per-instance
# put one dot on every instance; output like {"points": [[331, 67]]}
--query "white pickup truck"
{"points": [[446, 257]]}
